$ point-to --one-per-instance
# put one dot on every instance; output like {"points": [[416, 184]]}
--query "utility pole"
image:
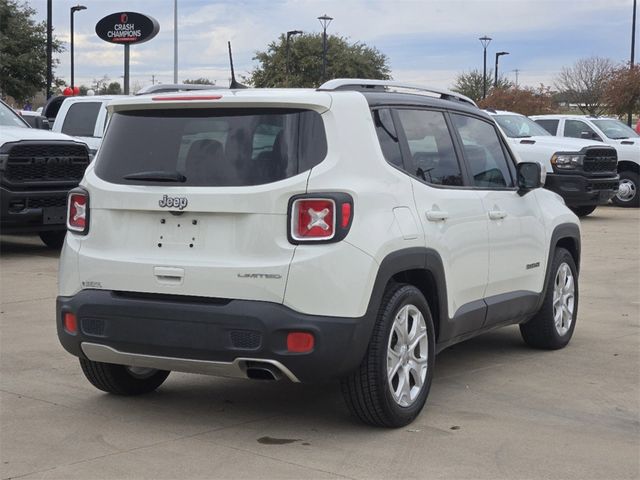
{"points": [[485, 41], [517, 70], [153, 79], [73, 10], [175, 41], [633, 50]]}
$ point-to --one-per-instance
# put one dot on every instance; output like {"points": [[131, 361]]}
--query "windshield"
{"points": [[9, 118], [615, 129], [519, 126], [210, 147]]}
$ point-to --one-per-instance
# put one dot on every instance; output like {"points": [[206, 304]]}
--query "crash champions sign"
{"points": [[127, 28]]}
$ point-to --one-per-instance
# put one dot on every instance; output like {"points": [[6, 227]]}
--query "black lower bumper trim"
{"points": [[213, 331], [579, 190]]}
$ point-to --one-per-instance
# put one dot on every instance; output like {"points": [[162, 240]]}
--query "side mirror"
{"points": [[530, 175], [42, 123], [590, 136]]}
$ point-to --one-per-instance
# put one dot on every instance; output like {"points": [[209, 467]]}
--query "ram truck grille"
{"points": [[42, 162], [601, 160]]}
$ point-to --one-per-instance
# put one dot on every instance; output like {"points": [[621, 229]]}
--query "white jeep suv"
{"points": [[349, 232], [606, 131]]}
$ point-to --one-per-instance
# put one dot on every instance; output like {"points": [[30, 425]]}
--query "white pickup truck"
{"points": [[608, 131], [582, 172]]}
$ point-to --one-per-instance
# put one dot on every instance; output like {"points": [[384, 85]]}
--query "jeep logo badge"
{"points": [[173, 202]]}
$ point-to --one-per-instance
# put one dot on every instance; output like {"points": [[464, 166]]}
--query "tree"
{"points": [[200, 81], [471, 84], [344, 59], [622, 93], [527, 101], [584, 83], [113, 88], [23, 51]]}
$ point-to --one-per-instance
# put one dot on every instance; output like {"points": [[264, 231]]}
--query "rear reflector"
{"points": [[78, 211], [70, 323], [313, 219], [300, 342], [187, 97], [346, 215]]}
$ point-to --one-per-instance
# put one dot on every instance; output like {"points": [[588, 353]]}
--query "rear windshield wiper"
{"points": [[157, 176]]}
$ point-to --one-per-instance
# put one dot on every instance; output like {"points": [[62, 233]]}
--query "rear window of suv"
{"points": [[210, 147]]}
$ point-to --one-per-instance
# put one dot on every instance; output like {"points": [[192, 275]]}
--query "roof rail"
{"points": [[386, 85]]}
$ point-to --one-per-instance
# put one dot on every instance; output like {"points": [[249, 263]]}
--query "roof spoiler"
{"points": [[361, 84]]}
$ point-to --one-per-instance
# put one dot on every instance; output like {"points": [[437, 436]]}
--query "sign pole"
{"points": [[126, 69]]}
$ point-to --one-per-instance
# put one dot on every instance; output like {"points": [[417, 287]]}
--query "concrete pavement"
{"points": [[497, 409]]}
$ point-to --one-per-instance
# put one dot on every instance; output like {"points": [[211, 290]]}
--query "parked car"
{"points": [[349, 232], [609, 131], [37, 170], [582, 172]]}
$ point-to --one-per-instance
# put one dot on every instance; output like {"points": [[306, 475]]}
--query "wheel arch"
{"points": [[626, 165], [420, 267]]}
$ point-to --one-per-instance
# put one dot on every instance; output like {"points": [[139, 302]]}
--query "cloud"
{"points": [[427, 41]]}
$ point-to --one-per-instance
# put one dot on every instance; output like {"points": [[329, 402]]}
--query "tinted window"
{"points": [[212, 147], [550, 126], [387, 137], [431, 147], [575, 128], [483, 152], [80, 120]]}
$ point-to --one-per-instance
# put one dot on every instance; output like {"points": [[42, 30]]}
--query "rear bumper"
{"points": [[208, 335], [32, 211], [579, 190]]}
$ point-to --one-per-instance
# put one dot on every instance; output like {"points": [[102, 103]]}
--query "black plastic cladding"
{"points": [[339, 198]]}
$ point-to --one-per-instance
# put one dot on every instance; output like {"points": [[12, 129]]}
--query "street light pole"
{"points": [[633, 51], [73, 10], [175, 41], [290, 34], [325, 20], [498, 55], [49, 47], [485, 41]]}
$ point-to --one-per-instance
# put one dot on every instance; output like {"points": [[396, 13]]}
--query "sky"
{"points": [[427, 41]]}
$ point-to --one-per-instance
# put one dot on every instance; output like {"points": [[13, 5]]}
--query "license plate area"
{"points": [[178, 232], [54, 215]]}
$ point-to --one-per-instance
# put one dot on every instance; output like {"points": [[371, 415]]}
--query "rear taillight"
{"points": [[78, 211], [320, 218]]}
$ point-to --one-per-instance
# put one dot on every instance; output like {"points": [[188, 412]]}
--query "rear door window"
{"points": [[80, 120], [211, 147], [579, 129], [431, 147], [549, 125]]}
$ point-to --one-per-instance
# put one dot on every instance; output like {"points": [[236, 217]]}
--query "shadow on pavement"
{"points": [[24, 245]]}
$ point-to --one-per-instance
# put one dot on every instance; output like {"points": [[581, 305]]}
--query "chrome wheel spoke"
{"points": [[563, 299], [407, 355]]}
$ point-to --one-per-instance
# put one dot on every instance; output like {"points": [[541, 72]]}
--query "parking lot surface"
{"points": [[497, 408]]}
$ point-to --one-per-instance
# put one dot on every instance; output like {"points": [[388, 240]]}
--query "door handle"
{"points": [[437, 215], [169, 275], [497, 214]]}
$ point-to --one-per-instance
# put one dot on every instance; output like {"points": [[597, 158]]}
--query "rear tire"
{"points": [[122, 380], [584, 211], [628, 195], [553, 325], [391, 386], [54, 239]]}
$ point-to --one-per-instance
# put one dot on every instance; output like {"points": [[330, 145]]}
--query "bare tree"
{"points": [[584, 83], [471, 83]]}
